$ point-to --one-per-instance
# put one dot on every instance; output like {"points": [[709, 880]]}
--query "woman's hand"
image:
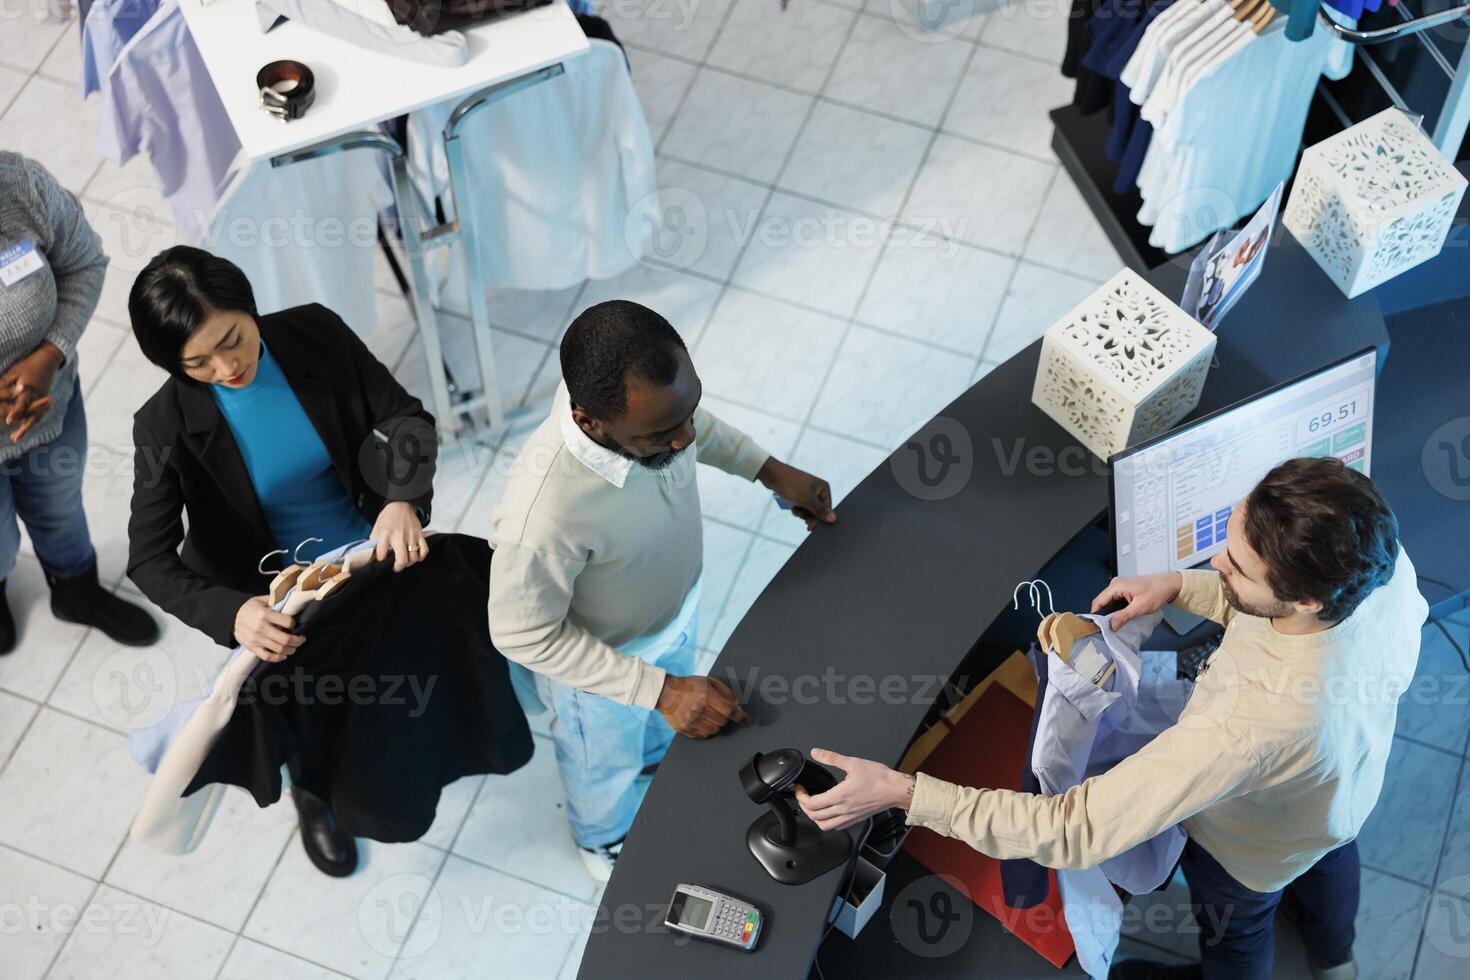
{"points": [[265, 632], [397, 530], [869, 788], [24, 398]]}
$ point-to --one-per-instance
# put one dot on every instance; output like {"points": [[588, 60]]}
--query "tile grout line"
{"points": [[743, 563], [1438, 864], [1011, 281], [250, 912], [883, 249]]}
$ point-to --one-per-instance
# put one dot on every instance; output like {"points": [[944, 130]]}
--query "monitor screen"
{"points": [[1172, 495]]}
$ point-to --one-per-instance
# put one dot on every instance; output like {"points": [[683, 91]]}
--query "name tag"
{"points": [[18, 261]]}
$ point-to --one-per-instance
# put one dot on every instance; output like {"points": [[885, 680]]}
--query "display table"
{"points": [[357, 89], [898, 592]]}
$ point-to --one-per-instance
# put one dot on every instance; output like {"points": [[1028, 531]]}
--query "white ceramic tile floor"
{"points": [[825, 348]]}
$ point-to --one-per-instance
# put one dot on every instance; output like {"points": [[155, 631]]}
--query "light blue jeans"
{"points": [[43, 487], [602, 747]]}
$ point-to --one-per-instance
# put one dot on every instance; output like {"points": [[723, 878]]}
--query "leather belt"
{"points": [[287, 89]]}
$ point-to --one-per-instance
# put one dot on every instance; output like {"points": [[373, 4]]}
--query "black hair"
{"points": [[174, 294], [1324, 532], [606, 345]]}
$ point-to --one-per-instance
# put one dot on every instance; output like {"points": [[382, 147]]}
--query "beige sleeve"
{"points": [[1175, 776], [725, 447], [530, 593], [1201, 595]]}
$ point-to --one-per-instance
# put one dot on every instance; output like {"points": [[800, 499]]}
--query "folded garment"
{"points": [[367, 26], [430, 17]]}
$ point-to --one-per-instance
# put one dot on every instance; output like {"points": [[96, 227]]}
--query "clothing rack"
{"points": [[1078, 139], [1454, 116]]}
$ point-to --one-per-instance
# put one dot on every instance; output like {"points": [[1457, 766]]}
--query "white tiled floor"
{"points": [[869, 219]]}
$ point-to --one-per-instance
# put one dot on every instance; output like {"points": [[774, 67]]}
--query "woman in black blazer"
{"points": [[292, 405]]}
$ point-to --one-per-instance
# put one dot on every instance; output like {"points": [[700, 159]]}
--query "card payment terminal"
{"points": [[707, 914]]}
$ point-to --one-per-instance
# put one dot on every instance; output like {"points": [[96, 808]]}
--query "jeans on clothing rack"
{"points": [[43, 487]]}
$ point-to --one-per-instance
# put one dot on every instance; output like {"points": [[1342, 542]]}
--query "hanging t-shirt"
{"points": [[307, 233], [1228, 140], [294, 479]]}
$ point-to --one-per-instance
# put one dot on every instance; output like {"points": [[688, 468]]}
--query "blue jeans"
{"points": [[602, 747], [43, 487], [1236, 924]]}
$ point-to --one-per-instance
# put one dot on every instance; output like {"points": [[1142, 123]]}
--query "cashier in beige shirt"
{"points": [[1277, 759]]}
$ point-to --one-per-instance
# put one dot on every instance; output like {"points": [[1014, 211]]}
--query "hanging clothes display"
{"points": [[1228, 108], [1208, 98], [563, 175], [1099, 700], [107, 27], [159, 99], [307, 233], [394, 695]]}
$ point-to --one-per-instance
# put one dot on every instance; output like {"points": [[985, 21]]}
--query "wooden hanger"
{"points": [[284, 581], [319, 572], [1248, 9], [1067, 629]]}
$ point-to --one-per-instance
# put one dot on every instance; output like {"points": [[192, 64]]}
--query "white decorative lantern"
{"points": [[1373, 201], [1122, 367]]}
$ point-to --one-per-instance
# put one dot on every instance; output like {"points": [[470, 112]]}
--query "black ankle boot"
{"points": [[327, 845], [83, 600], [7, 623]]}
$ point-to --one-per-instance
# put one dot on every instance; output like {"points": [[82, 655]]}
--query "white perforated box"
{"points": [[1373, 201], [1124, 366]]}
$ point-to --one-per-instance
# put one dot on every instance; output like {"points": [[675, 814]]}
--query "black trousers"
{"points": [[1237, 935]]}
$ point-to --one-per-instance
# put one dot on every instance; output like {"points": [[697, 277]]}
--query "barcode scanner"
{"points": [[791, 848]]}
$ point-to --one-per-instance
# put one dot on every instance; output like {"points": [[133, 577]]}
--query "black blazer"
{"points": [[186, 461]]}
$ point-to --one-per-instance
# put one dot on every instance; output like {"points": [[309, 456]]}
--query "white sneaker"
{"points": [[599, 861], [1343, 971]]}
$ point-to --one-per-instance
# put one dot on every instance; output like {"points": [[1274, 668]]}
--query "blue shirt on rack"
{"points": [[293, 476]]}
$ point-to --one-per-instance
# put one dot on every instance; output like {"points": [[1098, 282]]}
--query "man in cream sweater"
{"points": [[598, 552], [1275, 762]]}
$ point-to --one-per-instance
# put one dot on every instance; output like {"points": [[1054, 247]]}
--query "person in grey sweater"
{"points": [[51, 269]]}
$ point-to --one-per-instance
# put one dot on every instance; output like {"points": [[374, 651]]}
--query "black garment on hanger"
{"points": [[1094, 92], [396, 693], [1024, 883]]}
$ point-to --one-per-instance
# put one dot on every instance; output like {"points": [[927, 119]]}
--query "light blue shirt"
{"points": [[158, 98], [298, 489], [109, 26], [1081, 731]]}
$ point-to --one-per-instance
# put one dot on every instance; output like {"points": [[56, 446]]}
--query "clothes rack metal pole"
{"points": [[1454, 116], [459, 227], [407, 210], [420, 233]]}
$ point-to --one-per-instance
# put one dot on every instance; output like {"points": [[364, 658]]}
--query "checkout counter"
{"points": [[875, 614]]}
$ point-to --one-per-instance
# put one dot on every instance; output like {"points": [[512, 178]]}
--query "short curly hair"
{"points": [[1324, 532], [608, 343]]}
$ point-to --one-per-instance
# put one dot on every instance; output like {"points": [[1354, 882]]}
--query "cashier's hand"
{"points": [[809, 496], [699, 706], [1144, 593], [869, 788], [398, 532]]}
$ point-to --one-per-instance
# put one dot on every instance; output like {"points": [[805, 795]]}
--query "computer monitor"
{"points": [[1172, 495]]}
